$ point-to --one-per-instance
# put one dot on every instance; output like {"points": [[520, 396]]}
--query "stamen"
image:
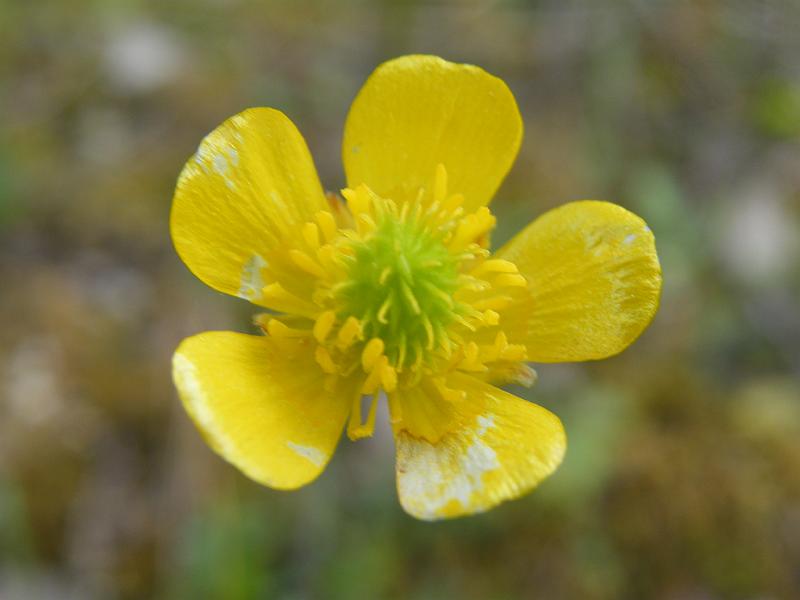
{"points": [[372, 351], [305, 262], [364, 223], [388, 378], [511, 280], [275, 296], [357, 200], [328, 225], [280, 330], [323, 325], [324, 360], [472, 227], [494, 265], [373, 380], [448, 394], [349, 332], [355, 428], [491, 317], [494, 303], [311, 235], [327, 257]]}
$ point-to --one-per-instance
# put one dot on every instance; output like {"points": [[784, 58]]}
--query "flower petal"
{"points": [[262, 405], [249, 187], [503, 447], [415, 112], [593, 279]]}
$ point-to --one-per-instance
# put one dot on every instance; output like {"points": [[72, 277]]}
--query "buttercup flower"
{"points": [[393, 292]]}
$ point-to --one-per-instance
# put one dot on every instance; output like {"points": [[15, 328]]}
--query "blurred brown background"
{"points": [[682, 479]]}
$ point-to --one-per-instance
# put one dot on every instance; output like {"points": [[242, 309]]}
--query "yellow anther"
{"points": [[449, 394], [275, 290], [364, 223], [349, 332], [493, 303], [495, 265], [324, 360], [373, 380], [311, 235], [388, 378], [471, 228], [511, 280], [468, 282], [440, 183], [471, 361], [357, 200], [355, 428], [372, 352], [276, 297], [323, 325], [501, 341], [395, 408], [327, 223], [305, 262], [326, 255], [491, 317], [460, 319], [280, 330], [453, 205]]}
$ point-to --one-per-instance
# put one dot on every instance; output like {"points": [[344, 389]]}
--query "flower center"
{"points": [[395, 296], [402, 278]]}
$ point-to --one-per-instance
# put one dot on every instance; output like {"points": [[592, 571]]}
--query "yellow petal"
{"points": [[262, 405], [593, 279], [250, 186], [501, 448], [416, 112]]}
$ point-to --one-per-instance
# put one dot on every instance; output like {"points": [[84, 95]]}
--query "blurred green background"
{"points": [[682, 479]]}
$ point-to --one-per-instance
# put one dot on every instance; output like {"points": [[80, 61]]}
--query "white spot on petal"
{"points": [[432, 476], [220, 164], [314, 455], [252, 282], [484, 423], [222, 168]]}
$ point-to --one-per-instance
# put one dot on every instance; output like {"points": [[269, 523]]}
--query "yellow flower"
{"points": [[393, 291]]}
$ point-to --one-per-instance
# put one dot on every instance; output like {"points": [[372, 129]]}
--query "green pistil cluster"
{"points": [[401, 282]]}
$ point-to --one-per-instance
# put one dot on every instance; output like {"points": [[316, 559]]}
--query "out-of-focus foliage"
{"points": [[682, 479]]}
